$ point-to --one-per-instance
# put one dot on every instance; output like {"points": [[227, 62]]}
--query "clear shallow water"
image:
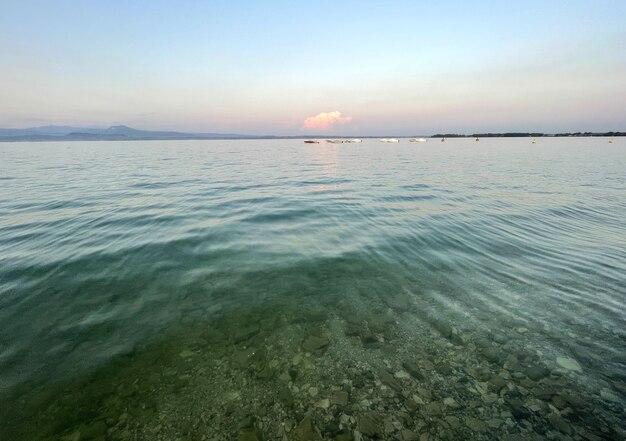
{"points": [[112, 252]]}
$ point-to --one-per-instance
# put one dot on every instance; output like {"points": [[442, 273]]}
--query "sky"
{"points": [[321, 67]]}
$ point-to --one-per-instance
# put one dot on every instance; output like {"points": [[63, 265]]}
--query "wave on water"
{"points": [[267, 289]]}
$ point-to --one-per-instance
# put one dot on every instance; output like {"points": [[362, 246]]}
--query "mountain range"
{"points": [[113, 133]]}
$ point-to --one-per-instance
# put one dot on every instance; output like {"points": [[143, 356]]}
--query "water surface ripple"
{"points": [[108, 246]]}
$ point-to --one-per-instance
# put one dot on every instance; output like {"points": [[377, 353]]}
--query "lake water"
{"points": [[270, 289]]}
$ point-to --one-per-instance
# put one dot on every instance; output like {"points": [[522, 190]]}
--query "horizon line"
{"points": [[231, 135]]}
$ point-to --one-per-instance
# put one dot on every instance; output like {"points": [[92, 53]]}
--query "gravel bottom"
{"points": [[376, 368]]}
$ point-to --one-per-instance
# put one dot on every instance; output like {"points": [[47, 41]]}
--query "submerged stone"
{"points": [[413, 369], [433, 409], [370, 424], [265, 374], [314, 343], [353, 330], [339, 398], [444, 328], [494, 423], [517, 408], [389, 380], [497, 382], [490, 353], [402, 375], [559, 401], [323, 404], [608, 395], [332, 428], [247, 422], [412, 405], [536, 373], [408, 435], [186, 353], [369, 339], [475, 425], [559, 423], [305, 431], [249, 434], [443, 369], [543, 393], [316, 330], [454, 422], [293, 373], [569, 363], [451, 402], [379, 323]]}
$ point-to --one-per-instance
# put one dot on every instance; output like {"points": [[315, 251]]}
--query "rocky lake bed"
{"points": [[376, 368]]}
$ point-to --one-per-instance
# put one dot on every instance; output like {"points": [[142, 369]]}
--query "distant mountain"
{"points": [[45, 130], [113, 133]]}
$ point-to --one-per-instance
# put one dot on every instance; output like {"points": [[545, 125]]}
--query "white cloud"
{"points": [[326, 119]]}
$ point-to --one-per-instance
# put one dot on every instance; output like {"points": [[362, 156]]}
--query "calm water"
{"points": [[497, 268]]}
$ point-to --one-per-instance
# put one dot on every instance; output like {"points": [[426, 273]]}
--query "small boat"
{"points": [[610, 141], [335, 141], [477, 139], [353, 141], [443, 139], [534, 141], [417, 140], [389, 140], [311, 141]]}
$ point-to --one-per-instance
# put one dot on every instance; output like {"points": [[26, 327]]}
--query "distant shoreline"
{"points": [[250, 138], [530, 135], [124, 133]]}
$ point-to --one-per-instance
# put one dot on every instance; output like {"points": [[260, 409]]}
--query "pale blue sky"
{"points": [[403, 67]]}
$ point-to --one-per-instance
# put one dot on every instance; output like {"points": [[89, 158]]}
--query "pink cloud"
{"points": [[326, 119]]}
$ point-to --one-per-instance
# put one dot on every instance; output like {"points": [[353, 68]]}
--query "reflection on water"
{"points": [[273, 290]]}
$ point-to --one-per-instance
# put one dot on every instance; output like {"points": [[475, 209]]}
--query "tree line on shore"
{"points": [[525, 134]]}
